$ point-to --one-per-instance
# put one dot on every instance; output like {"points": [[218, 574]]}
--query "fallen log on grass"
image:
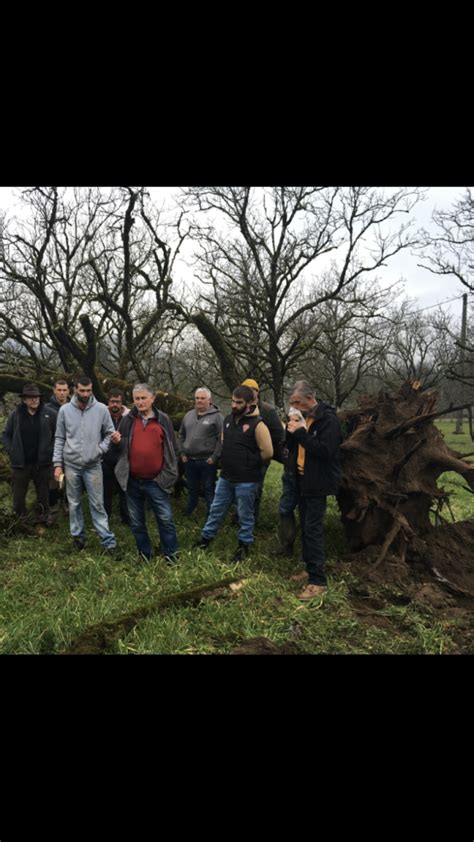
{"points": [[98, 639]]}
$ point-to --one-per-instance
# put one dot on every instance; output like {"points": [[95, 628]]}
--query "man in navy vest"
{"points": [[246, 446]]}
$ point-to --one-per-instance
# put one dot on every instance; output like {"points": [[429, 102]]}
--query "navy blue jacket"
{"points": [[322, 471]]}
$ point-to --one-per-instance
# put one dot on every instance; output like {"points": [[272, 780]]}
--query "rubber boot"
{"points": [[286, 533]]}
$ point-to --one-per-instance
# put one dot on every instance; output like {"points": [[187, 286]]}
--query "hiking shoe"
{"points": [[241, 552], [286, 550], [202, 544], [311, 591], [79, 543], [113, 552], [299, 577]]}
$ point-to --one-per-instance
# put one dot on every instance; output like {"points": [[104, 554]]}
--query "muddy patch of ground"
{"points": [[264, 646], [436, 579]]}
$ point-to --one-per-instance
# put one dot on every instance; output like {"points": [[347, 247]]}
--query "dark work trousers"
{"points": [[199, 474], [258, 496], [110, 485], [312, 510], [55, 492], [21, 477]]}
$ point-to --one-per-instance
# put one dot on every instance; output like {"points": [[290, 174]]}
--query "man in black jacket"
{"points": [[117, 411], [28, 439], [311, 459], [59, 397]]}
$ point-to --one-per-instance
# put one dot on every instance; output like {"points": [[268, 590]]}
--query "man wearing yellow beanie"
{"points": [[246, 446], [252, 383], [277, 432]]}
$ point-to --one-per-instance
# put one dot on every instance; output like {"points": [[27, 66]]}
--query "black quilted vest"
{"points": [[240, 459]]}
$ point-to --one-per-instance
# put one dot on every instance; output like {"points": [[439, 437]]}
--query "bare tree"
{"points": [[348, 337], [86, 282], [258, 247], [450, 249], [420, 348]]}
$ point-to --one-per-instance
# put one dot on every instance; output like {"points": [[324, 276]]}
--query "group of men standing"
{"points": [[106, 448]]}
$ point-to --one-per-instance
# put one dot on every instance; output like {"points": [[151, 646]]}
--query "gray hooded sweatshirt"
{"points": [[82, 435], [200, 436]]}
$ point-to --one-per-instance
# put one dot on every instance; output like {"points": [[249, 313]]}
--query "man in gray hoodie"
{"points": [[83, 432], [199, 447]]}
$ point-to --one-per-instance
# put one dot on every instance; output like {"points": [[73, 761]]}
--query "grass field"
{"points": [[49, 594], [462, 503]]}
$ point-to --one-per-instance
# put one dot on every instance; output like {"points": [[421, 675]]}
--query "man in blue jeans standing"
{"points": [[246, 446], [200, 446], [147, 470], [83, 433]]}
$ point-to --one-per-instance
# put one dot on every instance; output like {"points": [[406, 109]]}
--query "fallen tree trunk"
{"points": [[97, 639]]}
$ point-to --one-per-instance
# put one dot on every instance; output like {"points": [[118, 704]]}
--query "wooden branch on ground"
{"points": [[97, 639]]}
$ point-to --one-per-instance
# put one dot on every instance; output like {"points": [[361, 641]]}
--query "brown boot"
{"points": [[299, 577], [312, 591]]}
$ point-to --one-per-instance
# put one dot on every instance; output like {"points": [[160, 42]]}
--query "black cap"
{"points": [[30, 391]]}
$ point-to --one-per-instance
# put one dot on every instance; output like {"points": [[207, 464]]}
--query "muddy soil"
{"points": [[436, 578]]}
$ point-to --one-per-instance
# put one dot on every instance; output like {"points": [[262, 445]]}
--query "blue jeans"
{"points": [[92, 479], [243, 493], [139, 492], [198, 472]]}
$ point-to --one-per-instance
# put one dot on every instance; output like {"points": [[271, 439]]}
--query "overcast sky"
{"points": [[427, 288]]}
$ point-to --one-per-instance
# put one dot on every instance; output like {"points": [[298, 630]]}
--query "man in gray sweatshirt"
{"points": [[199, 447], [83, 432]]}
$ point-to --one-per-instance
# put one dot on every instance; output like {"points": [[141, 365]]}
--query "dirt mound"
{"points": [[448, 553], [264, 646], [441, 562], [432, 596], [436, 579]]}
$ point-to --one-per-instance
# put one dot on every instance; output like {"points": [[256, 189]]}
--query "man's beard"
{"points": [[82, 399]]}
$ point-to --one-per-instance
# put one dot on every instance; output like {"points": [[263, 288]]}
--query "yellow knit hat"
{"points": [[252, 384]]}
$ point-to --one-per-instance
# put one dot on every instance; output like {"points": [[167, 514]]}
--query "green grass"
{"points": [[461, 500], [49, 594]]}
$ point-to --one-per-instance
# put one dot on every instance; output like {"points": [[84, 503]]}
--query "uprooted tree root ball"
{"points": [[391, 460]]}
